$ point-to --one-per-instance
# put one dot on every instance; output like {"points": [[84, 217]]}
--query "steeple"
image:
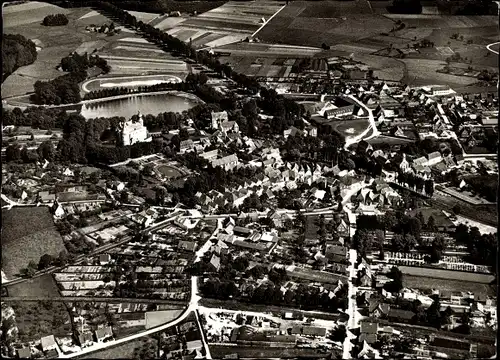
{"points": [[141, 121]]}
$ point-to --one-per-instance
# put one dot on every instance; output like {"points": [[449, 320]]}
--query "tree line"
{"points": [[17, 51], [65, 89]]}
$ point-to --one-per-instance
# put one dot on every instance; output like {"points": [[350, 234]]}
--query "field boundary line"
{"points": [[267, 21]]}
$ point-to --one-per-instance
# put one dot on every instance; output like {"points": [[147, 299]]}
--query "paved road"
{"points": [[371, 127]]}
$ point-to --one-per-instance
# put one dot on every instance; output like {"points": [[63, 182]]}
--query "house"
{"points": [[215, 262], [103, 334], [242, 231], [229, 126], [345, 110], [228, 162], [335, 252], [440, 90], [45, 197], [378, 309], [314, 331], [399, 315], [434, 158], [24, 352], [104, 259], [189, 246], [48, 343], [85, 339]]}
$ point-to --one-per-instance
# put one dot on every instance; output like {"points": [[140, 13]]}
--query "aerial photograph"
{"points": [[255, 179]]}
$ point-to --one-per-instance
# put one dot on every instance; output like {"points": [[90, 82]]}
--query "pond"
{"points": [[147, 104]]}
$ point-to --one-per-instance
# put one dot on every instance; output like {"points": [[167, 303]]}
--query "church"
{"points": [[133, 132]]}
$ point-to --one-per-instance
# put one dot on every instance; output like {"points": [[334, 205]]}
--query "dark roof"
{"points": [[314, 330], [450, 343], [369, 327], [401, 314]]}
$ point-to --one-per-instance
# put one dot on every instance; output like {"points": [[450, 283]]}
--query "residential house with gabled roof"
{"points": [[434, 158], [228, 162], [399, 315], [24, 352], [48, 343], [377, 309], [215, 262], [103, 334]]}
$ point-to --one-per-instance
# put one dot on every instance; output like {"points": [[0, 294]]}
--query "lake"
{"points": [[147, 104]]}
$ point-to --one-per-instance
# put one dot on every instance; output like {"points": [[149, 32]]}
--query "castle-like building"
{"points": [[134, 132]]}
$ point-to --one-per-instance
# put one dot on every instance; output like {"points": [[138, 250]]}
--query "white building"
{"points": [[134, 132]]}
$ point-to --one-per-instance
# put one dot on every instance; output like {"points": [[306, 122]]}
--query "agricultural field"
{"points": [[36, 319], [229, 23], [420, 282], [314, 23], [43, 286], [22, 244]]}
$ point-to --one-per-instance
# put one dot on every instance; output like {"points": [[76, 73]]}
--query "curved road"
{"points": [[489, 47], [371, 126], [136, 78]]}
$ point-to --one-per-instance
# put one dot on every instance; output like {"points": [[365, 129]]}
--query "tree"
{"points": [[397, 242], [46, 150], [431, 224], [45, 261], [434, 313], [338, 334], [396, 285], [456, 209], [30, 270]]}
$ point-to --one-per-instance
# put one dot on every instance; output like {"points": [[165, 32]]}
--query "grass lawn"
{"points": [[156, 318], [169, 171], [22, 243], [219, 351], [41, 286], [41, 318], [420, 282], [350, 127], [128, 350]]}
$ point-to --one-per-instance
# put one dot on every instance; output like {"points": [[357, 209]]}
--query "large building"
{"points": [[134, 132]]}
